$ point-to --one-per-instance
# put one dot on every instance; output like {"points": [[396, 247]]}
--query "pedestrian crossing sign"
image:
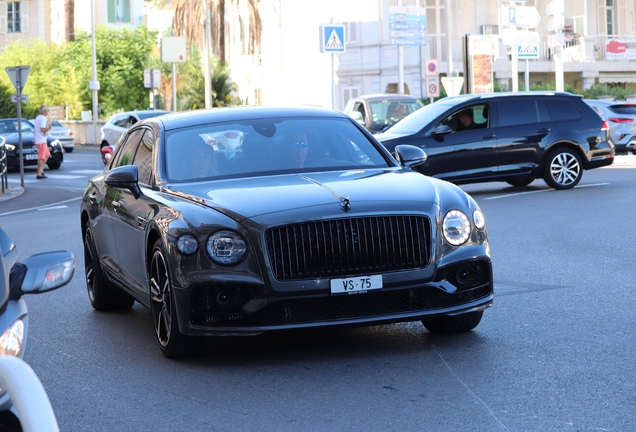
{"points": [[527, 52], [332, 38]]}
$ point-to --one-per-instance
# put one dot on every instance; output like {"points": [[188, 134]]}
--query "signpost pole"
{"points": [[21, 146], [333, 81]]}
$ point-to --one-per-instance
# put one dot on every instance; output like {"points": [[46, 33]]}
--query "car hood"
{"points": [[311, 195]]}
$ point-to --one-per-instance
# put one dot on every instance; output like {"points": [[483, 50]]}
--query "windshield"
{"points": [[282, 145], [10, 126], [388, 111], [419, 119]]}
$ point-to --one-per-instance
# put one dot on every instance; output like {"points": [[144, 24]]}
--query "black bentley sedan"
{"points": [[9, 130], [510, 137], [307, 222]]}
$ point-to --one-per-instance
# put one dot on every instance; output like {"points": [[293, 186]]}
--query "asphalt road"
{"points": [[556, 352]]}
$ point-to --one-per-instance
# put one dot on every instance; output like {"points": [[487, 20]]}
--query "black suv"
{"points": [[511, 137]]}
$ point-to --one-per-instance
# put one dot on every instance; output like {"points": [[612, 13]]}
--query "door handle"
{"points": [[489, 136], [544, 130]]}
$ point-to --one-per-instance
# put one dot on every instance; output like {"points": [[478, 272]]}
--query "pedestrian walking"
{"points": [[42, 127]]}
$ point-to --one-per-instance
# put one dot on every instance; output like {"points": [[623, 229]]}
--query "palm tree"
{"points": [[190, 14], [69, 20]]}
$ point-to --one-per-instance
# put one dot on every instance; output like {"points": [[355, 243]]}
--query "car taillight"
{"points": [[604, 126], [620, 120], [71, 133]]}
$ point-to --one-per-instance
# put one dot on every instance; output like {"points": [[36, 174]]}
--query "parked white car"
{"points": [[120, 123]]}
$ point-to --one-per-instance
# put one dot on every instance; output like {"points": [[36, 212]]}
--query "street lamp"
{"points": [[94, 84]]}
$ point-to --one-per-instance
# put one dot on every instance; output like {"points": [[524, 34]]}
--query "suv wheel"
{"points": [[563, 169]]}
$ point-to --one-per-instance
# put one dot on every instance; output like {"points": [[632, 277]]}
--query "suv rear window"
{"points": [[562, 109], [624, 109]]}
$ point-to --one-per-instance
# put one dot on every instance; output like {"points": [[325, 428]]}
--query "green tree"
{"points": [[52, 80], [122, 55], [193, 83]]}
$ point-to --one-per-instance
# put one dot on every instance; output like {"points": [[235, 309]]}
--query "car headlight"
{"points": [[226, 247], [187, 244], [456, 227], [11, 340], [478, 219]]}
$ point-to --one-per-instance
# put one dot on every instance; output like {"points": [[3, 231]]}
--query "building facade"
{"points": [[26, 19], [599, 47]]}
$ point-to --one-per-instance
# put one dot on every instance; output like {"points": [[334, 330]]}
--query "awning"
{"points": [[617, 77]]}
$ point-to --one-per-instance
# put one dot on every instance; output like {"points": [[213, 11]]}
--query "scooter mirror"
{"points": [[48, 271]]}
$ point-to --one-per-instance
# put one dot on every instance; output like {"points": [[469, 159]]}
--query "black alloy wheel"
{"points": [[563, 169], [173, 344], [453, 324], [103, 295]]}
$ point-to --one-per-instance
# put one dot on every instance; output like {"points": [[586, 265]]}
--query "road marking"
{"points": [[41, 207], [542, 190], [88, 171], [53, 208]]}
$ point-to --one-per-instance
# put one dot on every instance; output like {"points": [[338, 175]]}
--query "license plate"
{"points": [[356, 284], [31, 157]]}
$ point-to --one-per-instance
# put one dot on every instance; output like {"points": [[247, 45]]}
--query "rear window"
{"points": [[624, 109], [562, 109]]}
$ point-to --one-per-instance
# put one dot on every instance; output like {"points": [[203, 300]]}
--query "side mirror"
{"points": [[410, 155], [357, 116], [124, 177], [48, 271], [442, 130]]}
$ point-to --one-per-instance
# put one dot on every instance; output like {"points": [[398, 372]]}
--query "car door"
{"points": [[523, 130], [133, 214], [462, 155]]}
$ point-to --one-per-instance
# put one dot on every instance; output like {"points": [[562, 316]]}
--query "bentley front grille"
{"points": [[344, 247]]}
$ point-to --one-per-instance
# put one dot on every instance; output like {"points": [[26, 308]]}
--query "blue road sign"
{"points": [[527, 52], [332, 38]]}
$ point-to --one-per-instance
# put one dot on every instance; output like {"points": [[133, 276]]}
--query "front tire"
{"points": [[453, 324], [53, 163], [173, 344], [563, 169], [103, 295]]}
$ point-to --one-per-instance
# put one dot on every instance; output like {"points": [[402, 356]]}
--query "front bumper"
{"points": [[230, 309]]}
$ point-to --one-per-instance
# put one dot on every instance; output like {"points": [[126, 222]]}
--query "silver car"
{"points": [[621, 117], [63, 134]]}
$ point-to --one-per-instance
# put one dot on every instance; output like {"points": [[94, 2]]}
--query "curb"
{"points": [[12, 192]]}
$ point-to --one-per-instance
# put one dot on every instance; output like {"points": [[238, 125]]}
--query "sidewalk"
{"points": [[12, 192]]}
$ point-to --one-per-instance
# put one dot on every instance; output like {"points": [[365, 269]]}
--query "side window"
{"points": [[126, 149], [562, 109], [469, 118], [121, 121], [143, 157], [517, 112]]}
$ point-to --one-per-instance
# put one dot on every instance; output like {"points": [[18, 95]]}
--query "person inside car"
{"points": [[466, 121]]}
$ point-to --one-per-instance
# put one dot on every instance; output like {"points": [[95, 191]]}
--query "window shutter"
{"points": [[3, 17], [126, 11], [112, 5], [24, 16]]}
